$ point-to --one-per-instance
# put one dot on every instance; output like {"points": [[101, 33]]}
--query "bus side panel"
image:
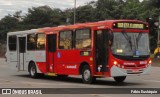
{"points": [[41, 66], [40, 59], [11, 57], [30, 56], [68, 61], [12, 60]]}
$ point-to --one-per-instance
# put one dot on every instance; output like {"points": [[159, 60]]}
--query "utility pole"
{"points": [[158, 43], [74, 11], [157, 50]]}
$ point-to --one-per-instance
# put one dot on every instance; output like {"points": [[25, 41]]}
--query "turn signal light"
{"points": [[115, 62], [150, 62]]}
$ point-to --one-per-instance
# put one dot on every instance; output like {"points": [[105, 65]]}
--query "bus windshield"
{"points": [[130, 44]]}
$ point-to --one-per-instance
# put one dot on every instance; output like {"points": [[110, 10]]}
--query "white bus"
{"points": [[24, 48]]}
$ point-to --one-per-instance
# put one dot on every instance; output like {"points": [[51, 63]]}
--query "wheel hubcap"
{"points": [[87, 75], [33, 71]]}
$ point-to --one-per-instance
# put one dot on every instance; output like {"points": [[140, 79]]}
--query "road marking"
{"points": [[5, 83], [146, 80], [99, 95], [8, 81], [152, 81], [61, 84], [39, 83]]}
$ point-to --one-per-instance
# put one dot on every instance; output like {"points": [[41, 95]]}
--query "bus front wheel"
{"points": [[120, 78], [87, 75], [33, 71]]}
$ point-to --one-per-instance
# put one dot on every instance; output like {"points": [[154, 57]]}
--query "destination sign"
{"points": [[130, 25]]}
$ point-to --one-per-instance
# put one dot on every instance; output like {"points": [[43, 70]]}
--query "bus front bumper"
{"points": [[116, 71]]}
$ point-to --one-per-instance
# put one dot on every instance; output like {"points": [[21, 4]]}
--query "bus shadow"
{"points": [[79, 81]]}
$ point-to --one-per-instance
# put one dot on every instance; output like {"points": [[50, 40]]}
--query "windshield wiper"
{"points": [[138, 38], [127, 38]]}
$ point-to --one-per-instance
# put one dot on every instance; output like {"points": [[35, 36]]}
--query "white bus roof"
{"points": [[23, 32]]}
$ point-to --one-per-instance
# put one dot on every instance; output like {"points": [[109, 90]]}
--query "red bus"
{"points": [[110, 48]]}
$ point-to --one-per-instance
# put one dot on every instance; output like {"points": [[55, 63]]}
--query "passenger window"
{"points": [[12, 43], [41, 41], [31, 42], [83, 38], [65, 40]]}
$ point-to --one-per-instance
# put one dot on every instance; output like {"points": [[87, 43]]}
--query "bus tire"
{"points": [[120, 78], [33, 70], [87, 75]]}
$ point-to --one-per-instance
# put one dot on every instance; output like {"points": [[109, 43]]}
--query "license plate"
{"points": [[136, 70]]}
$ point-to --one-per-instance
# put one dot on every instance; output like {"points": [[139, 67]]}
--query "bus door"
{"points": [[101, 50], [51, 50], [21, 53]]}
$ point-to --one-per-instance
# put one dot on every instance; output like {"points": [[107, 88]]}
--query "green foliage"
{"points": [[45, 16], [85, 13], [154, 3], [7, 23]]}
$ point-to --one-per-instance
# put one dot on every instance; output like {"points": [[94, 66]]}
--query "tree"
{"points": [[85, 13], [154, 3], [42, 16], [8, 23], [45, 16], [104, 9], [18, 15]]}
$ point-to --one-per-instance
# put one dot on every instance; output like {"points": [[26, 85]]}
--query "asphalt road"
{"points": [[13, 79]]}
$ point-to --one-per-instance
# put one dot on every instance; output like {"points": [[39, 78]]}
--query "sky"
{"points": [[11, 6]]}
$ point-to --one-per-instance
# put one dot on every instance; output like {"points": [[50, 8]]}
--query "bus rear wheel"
{"points": [[87, 75], [33, 71], [120, 78]]}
